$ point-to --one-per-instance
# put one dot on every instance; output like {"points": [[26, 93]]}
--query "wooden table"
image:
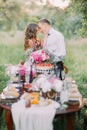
{"points": [[68, 113]]}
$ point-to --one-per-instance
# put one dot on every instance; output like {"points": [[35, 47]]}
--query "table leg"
{"points": [[9, 121], [70, 118], [1, 111]]}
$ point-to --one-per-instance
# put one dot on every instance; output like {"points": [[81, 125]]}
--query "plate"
{"points": [[10, 97], [73, 102], [2, 96], [8, 101], [73, 99], [44, 103], [9, 94]]}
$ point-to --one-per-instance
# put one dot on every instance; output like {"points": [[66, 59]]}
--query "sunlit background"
{"points": [[56, 3]]}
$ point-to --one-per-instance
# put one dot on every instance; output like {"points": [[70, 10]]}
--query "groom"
{"points": [[54, 44]]}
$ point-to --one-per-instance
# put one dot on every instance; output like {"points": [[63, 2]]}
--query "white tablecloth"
{"points": [[34, 117]]}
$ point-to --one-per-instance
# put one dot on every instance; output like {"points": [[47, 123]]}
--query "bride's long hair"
{"points": [[30, 33]]}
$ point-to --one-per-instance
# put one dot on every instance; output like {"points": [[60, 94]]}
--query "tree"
{"points": [[80, 7], [15, 14], [11, 14]]}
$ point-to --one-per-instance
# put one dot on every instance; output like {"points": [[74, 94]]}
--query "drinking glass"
{"points": [[9, 85], [63, 97]]}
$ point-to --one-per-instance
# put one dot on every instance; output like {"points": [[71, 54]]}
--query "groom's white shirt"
{"points": [[55, 44]]}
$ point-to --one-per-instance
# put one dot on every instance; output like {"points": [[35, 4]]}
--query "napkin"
{"points": [[34, 117]]}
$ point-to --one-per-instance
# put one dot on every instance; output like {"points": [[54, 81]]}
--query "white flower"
{"points": [[42, 84], [46, 86], [57, 85]]}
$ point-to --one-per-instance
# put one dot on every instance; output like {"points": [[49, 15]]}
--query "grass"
{"points": [[76, 60], [77, 63]]}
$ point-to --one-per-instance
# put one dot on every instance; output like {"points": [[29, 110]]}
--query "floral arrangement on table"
{"points": [[32, 57], [42, 61], [47, 85], [11, 69], [39, 56], [25, 70]]}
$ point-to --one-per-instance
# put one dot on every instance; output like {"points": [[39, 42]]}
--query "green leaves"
{"points": [[3, 77], [81, 6], [11, 12], [15, 15]]}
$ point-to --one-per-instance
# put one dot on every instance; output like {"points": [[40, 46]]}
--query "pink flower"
{"points": [[22, 70], [39, 56]]}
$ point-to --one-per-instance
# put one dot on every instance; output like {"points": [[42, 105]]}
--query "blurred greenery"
{"points": [[16, 14], [80, 7], [3, 78], [11, 54]]}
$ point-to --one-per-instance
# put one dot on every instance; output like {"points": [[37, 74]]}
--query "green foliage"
{"points": [[11, 54], [11, 15], [16, 14], [76, 62], [80, 6], [11, 48], [3, 77]]}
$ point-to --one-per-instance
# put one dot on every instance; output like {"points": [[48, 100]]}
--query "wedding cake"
{"points": [[44, 67], [41, 60]]}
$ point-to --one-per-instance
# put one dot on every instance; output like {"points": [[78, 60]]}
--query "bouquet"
{"points": [[39, 56]]}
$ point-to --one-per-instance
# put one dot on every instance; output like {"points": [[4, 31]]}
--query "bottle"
{"points": [[31, 75], [28, 103], [55, 70], [65, 84], [27, 76]]}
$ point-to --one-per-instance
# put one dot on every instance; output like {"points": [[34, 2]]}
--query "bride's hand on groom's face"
{"points": [[31, 43]]}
